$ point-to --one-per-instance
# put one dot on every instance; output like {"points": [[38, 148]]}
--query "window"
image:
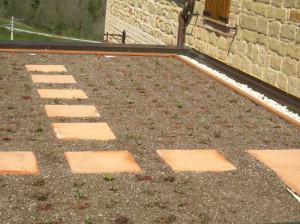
{"points": [[217, 10]]}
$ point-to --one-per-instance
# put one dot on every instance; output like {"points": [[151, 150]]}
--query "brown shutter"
{"points": [[223, 10], [217, 9]]}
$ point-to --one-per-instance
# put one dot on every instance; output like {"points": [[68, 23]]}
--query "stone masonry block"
{"points": [[274, 29], [237, 61], [262, 56], [248, 4], [255, 54], [277, 3], [290, 3], [247, 65], [257, 71], [293, 51], [289, 66], [270, 76], [276, 61], [223, 43], [260, 9], [295, 16], [278, 46], [297, 38], [151, 6], [242, 48], [262, 25], [263, 40], [249, 36], [294, 86], [288, 32], [282, 81], [248, 22], [280, 13]]}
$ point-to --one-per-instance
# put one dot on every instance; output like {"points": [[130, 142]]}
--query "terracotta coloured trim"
{"points": [[99, 53], [241, 92]]}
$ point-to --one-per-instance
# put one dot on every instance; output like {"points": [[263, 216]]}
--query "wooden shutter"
{"points": [[217, 9]]}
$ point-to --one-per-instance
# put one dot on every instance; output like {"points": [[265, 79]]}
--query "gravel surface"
{"points": [[281, 108], [149, 103]]}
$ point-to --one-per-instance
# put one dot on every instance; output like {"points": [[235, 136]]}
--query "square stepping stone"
{"points": [[62, 94], [46, 68], [18, 163], [102, 162], [53, 79], [195, 160], [71, 111], [285, 163], [83, 131]]}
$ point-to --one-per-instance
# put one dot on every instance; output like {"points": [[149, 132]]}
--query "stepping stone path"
{"points": [[286, 163]]}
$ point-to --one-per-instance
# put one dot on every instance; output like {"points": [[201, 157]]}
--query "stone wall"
{"points": [[266, 43]]}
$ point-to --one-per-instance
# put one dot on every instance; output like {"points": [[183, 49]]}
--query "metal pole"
{"points": [[123, 37], [12, 28]]}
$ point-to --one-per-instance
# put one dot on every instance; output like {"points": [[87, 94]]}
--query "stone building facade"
{"points": [[265, 43]]}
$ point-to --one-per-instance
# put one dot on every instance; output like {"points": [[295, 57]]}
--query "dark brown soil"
{"points": [[149, 103]]}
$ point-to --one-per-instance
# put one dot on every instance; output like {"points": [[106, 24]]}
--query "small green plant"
{"points": [[137, 141], [108, 177], [203, 218], [128, 66], [113, 188], [88, 219], [129, 99], [157, 62], [249, 110], [111, 83], [180, 204], [39, 128], [78, 194], [175, 116]]}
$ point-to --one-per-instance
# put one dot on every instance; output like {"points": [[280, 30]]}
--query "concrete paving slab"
{"points": [[60, 79], [291, 178], [195, 160], [18, 163], [286, 164], [283, 159], [71, 111], [62, 94], [83, 131], [102, 162], [46, 68]]}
